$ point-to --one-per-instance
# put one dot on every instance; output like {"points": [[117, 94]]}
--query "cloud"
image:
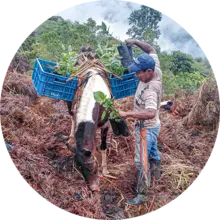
{"points": [[174, 37], [115, 14]]}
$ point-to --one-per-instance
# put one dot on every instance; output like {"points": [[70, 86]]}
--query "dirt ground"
{"points": [[35, 127]]}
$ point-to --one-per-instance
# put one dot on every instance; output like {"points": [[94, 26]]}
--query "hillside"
{"points": [[34, 126]]}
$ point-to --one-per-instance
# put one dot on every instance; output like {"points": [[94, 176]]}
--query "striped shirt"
{"points": [[148, 95]]}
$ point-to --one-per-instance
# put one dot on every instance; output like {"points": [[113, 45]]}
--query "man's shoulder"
{"points": [[155, 56], [157, 66], [155, 85], [152, 85]]}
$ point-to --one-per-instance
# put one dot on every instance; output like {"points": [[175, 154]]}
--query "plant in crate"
{"points": [[108, 54], [67, 63]]}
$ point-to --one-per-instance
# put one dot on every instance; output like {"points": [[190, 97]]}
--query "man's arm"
{"points": [[147, 48], [147, 114]]}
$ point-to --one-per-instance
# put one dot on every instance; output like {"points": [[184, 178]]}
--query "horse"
{"points": [[88, 120]]}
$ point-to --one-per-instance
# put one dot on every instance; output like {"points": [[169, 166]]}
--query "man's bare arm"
{"points": [[147, 48], [145, 114]]}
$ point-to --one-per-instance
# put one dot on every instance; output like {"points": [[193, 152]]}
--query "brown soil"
{"points": [[35, 127]]}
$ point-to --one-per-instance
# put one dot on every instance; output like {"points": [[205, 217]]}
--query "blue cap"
{"points": [[142, 62]]}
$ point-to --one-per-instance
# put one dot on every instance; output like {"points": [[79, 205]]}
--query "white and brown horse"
{"points": [[88, 120]]}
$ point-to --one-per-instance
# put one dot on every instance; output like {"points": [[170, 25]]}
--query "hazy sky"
{"points": [[115, 14]]}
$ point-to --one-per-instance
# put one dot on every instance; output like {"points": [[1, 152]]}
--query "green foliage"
{"points": [[200, 65], [103, 28], [109, 55], [66, 64], [144, 23], [165, 61], [52, 39], [181, 62], [175, 79], [182, 81], [107, 103]]}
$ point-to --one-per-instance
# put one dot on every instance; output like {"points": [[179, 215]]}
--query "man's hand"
{"points": [[122, 114], [130, 42]]}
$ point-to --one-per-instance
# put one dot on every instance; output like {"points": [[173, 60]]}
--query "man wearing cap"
{"points": [[146, 111]]}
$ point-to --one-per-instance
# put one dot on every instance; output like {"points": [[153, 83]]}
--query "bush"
{"points": [[182, 81]]}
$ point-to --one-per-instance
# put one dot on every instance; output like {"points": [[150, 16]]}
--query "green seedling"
{"points": [[107, 103]]}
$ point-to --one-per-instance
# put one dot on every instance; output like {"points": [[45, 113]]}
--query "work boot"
{"points": [[138, 200], [141, 189], [155, 167]]}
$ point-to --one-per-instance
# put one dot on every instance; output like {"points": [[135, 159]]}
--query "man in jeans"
{"points": [[146, 111]]}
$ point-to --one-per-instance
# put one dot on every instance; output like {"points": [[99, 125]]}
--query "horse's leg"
{"points": [[103, 147], [72, 128], [69, 106]]}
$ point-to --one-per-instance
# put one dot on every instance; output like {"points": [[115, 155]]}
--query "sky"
{"points": [[115, 14]]}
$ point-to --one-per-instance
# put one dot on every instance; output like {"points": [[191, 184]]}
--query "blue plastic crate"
{"points": [[52, 85], [124, 88]]}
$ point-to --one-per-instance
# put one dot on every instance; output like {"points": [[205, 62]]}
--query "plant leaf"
{"points": [[99, 97], [103, 115], [112, 115]]}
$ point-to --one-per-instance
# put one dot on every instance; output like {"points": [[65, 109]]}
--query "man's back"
{"points": [[148, 95]]}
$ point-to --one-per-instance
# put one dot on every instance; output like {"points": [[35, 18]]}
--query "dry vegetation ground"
{"points": [[35, 126]]}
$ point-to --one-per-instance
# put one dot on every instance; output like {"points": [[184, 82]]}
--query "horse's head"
{"points": [[86, 163], [84, 157]]}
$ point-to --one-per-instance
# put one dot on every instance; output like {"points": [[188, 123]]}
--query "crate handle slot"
{"points": [[129, 78], [60, 81]]}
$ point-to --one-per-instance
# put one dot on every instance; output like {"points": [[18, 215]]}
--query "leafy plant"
{"points": [[109, 55], [66, 63], [107, 103]]}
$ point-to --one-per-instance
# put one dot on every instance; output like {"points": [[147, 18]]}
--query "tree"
{"points": [[150, 37], [91, 24], [165, 61], [144, 24], [181, 62], [56, 18]]}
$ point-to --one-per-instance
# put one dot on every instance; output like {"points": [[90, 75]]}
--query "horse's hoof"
{"points": [[94, 187]]}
